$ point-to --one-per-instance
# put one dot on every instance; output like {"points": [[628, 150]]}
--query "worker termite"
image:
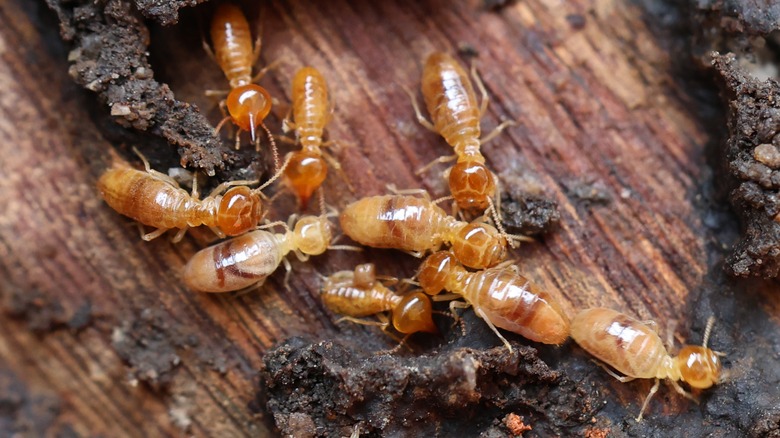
{"points": [[634, 349], [249, 259], [358, 294], [155, 199], [311, 110], [416, 224], [247, 103], [499, 296], [452, 104]]}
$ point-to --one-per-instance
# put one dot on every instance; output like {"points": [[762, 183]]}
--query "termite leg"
{"points": [[179, 235], [286, 139], [420, 118], [219, 233], [216, 93], [361, 321], [266, 69], [334, 163], [650, 395], [483, 104], [621, 379], [484, 317], [497, 130], [225, 185], [444, 159], [154, 234], [683, 392], [159, 175], [396, 191]]}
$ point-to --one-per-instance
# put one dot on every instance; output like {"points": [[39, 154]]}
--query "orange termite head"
{"points": [[699, 366], [239, 210], [312, 234], [479, 246], [248, 105], [414, 314], [435, 270], [472, 185], [304, 174]]}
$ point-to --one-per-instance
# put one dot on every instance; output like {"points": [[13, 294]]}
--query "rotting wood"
{"points": [[600, 110]]}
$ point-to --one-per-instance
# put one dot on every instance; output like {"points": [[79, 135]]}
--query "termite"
{"points": [[358, 294], [417, 225], [247, 103], [499, 296], [634, 349], [155, 199], [311, 110], [452, 105], [249, 259]]}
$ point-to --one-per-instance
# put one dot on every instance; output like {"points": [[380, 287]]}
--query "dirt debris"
{"points": [[166, 12], [325, 389], [754, 127], [109, 56], [741, 16]]}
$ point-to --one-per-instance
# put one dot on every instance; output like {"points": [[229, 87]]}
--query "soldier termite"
{"points": [[634, 349], [247, 104], [500, 296]]}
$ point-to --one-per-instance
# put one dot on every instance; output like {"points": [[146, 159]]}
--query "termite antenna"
{"points": [[497, 219], [708, 330], [323, 207], [277, 174], [274, 149]]}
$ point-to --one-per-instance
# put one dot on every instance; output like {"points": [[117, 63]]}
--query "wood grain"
{"points": [[597, 105]]}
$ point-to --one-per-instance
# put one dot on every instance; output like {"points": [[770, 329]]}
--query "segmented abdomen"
{"points": [[352, 301], [511, 302], [402, 222], [620, 341], [232, 42], [151, 201], [235, 263], [310, 106], [450, 99]]}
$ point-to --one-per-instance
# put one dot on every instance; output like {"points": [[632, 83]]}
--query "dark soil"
{"points": [[754, 159], [109, 56], [464, 388]]}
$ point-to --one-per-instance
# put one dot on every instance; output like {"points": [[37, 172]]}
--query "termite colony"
{"points": [[474, 268]]}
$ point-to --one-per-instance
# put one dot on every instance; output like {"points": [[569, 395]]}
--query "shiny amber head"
{"points": [[312, 235], [239, 211], [435, 270], [472, 184], [479, 246], [699, 366], [414, 314], [304, 174], [248, 105]]}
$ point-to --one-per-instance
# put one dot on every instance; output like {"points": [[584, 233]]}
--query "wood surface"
{"points": [[599, 110]]}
